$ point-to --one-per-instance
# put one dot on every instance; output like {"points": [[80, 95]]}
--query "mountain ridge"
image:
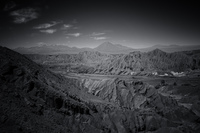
{"points": [[106, 47]]}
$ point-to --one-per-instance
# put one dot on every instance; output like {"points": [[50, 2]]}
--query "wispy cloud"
{"points": [[97, 34], [66, 26], [99, 38], [48, 31], [74, 34], [24, 15], [47, 25]]}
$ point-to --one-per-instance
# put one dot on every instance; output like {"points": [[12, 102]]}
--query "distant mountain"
{"points": [[51, 49], [164, 46], [108, 47], [170, 48]]}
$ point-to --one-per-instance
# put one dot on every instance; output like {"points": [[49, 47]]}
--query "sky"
{"points": [[84, 23]]}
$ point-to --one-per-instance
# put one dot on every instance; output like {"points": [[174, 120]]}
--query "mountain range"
{"points": [[106, 47], [170, 48], [51, 49]]}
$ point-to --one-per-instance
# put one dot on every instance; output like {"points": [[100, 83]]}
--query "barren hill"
{"points": [[155, 60]]}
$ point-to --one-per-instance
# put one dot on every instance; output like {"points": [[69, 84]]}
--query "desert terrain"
{"points": [[98, 92]]}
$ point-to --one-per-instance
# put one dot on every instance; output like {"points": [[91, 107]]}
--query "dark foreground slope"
{"points": [[34, 99]]}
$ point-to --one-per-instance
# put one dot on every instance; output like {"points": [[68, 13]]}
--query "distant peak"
{"points": [[107, 43]]}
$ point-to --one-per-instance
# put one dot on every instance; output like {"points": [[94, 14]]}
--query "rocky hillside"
{"points": [[138, 62], [84, 62], [34, 99], [86, 57], [144, 106], [155, 60]]}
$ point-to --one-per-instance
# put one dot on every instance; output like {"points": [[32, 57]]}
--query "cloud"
{"points": [[97, 34], [46, 25], [99, 38], [74, 34], [24, 15], [48, 31], [66, 26], [9, 5]]}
